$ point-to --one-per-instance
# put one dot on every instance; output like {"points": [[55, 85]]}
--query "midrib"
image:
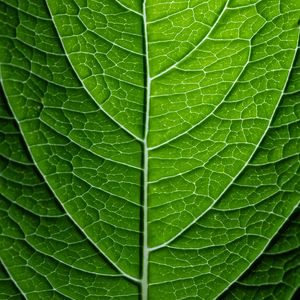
{"points": [[145, 255]]}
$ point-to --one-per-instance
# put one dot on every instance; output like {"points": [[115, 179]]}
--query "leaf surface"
{"points": [[149, 149]]}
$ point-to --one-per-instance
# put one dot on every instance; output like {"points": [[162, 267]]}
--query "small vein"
{"points": [[87, 91], [195, 48], [129, 277], [12, 279], [241, 170], [212, 112], [128, 8], [261, 253]]}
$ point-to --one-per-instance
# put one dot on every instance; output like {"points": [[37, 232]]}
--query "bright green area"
{"points": [[223, 159]]}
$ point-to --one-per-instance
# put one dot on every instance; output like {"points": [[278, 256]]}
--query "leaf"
{"points": [[276, 273], [149, 150]]}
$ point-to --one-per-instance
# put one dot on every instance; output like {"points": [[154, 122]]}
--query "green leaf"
{"points": [[149, 149], [276, 273]]}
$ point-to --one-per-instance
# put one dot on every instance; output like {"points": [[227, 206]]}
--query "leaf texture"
{"points": [[149, 149]]}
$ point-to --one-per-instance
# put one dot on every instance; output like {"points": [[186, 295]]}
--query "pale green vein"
{"points": [[12, 279], [196, 47], [145, 259], [71, 218], [237, 175], [87, 91]]}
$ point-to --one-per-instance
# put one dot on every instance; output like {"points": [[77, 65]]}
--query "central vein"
{"points": [[145, 259]]}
